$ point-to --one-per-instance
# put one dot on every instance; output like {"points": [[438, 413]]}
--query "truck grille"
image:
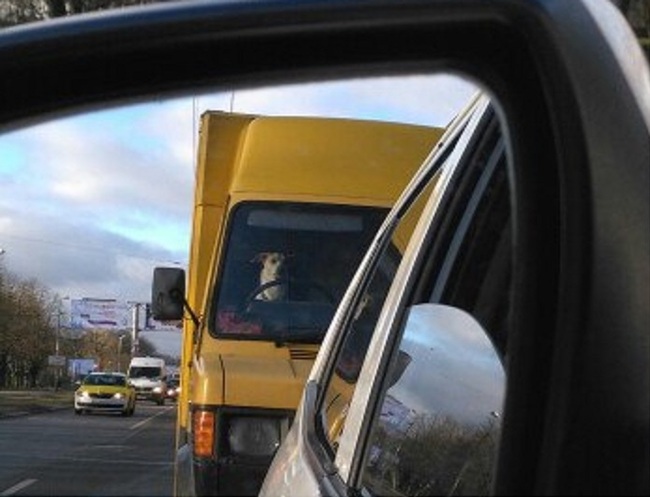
{"points": [[302, 354]]}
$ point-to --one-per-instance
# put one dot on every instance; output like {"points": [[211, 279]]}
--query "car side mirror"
{"points": [[446, 355]]}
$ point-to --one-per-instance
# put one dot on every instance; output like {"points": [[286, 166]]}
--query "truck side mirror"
{"points": [[168, 293]]}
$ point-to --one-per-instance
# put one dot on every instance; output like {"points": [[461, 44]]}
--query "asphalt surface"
{"points": [[52, 451], [25, 402]]}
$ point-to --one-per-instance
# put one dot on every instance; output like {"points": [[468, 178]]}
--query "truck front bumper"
{"points": [[230, 477]]}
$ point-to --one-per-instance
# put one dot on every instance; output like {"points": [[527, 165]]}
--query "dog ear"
{"points": [[260, 257]]}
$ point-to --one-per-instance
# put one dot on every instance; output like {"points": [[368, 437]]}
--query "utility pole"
{"points": [[136, 322]]}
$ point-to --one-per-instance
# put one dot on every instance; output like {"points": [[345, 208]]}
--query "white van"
{"points": [[149, 377]]}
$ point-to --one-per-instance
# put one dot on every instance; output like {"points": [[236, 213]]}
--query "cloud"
{"points": [[79, 259]]}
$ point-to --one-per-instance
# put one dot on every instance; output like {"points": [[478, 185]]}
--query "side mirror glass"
{"points": [[440, 419], [167, 294]]}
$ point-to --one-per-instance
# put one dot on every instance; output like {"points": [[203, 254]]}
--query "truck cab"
{"points": [[285, 209]]}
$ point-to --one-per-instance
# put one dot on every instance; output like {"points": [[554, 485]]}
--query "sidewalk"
{"points": [[24, 402]]}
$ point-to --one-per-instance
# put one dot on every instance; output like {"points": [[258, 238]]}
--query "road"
{"points": [[60, 453]]}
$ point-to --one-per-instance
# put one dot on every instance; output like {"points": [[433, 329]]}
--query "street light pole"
{"points": [[57, 374], [58, 332], [119, 353], [59, 314]]}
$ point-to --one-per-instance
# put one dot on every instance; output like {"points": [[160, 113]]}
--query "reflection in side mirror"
{"points": [[167, 294], [440, 420], [397, 369]]}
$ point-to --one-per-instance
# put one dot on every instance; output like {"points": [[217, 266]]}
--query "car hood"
{"points": [[107, 389]]}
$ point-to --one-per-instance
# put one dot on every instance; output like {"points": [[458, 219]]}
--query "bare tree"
{"points": [[27, 336], [14, 12]]}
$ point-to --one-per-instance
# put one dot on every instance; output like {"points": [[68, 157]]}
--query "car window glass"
{"points": [[475, 270], [363, 319], [342, 382], [438, 423]]}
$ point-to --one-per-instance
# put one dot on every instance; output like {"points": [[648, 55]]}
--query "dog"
{"points": [[272, 266]]}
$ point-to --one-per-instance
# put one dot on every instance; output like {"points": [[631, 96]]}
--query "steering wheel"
{"points": [[303, 283]]}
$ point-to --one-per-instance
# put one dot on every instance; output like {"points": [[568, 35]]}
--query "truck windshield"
{"points": [[144, 372], [286, 267]]}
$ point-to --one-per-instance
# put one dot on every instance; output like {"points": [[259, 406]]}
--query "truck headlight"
{"points": [[118, 395], [254, 436], [83, 394], [157, 389]]}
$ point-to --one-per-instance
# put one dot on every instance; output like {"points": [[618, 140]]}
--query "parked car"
{"points": [[105, 392], [562, 298]]}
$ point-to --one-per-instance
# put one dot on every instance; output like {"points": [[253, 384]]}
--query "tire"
{"points": [[78, 412]]}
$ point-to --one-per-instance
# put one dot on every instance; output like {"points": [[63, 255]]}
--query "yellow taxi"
{"points": [[105, 391]]}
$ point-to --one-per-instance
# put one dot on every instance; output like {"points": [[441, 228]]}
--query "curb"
{"points": [[34, 410]]}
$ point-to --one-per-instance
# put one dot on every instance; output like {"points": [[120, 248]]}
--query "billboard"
{"points": [[113, 314], [99, 313]]}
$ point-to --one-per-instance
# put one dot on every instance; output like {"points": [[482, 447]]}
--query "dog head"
{"points": [[272, 265]]}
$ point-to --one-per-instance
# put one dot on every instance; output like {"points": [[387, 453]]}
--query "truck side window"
{"points": [[439, 420]]}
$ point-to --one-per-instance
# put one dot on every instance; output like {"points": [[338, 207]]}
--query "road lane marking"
{"points": [[18, 487], [145, 421]]}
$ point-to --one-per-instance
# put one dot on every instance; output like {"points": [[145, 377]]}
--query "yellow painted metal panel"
{"points": [[264, 382], [356, 162], [207, 381]]}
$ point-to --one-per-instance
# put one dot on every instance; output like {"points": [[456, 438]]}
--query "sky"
{"points": [[453, 370], [90, 204]]}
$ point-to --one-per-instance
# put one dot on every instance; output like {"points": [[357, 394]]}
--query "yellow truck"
{"points": [[284, 210]]}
